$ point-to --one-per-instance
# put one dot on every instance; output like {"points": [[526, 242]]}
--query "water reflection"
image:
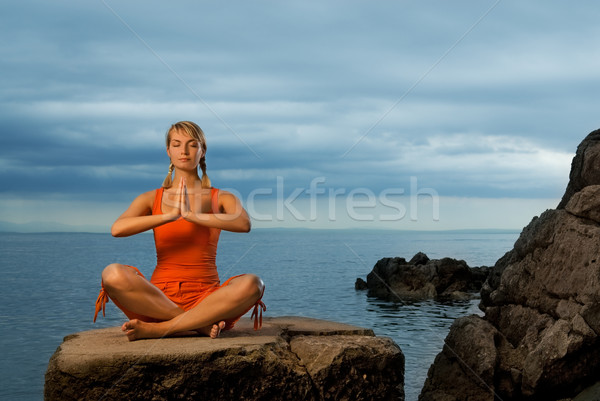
{"points": [[419, 328]]}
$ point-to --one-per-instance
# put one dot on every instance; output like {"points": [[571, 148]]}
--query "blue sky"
{"points": [[407, 115]]}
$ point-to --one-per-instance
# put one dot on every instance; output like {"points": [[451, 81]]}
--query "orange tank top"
{"points": [[185, 251]]}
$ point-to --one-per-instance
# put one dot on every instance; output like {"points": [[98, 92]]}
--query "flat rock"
{"points": [[289, 358]]}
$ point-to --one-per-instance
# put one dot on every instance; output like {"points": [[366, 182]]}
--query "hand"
{"points": [[184, 202], [179, 207]]}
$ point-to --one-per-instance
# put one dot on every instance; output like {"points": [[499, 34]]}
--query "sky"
{"points": [[418, 115]]}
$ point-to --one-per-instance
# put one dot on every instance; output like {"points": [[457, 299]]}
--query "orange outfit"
{"points": [[186, 270]]}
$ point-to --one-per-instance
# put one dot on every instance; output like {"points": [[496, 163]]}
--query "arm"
{"points": [[138, 217], [231, 216]]}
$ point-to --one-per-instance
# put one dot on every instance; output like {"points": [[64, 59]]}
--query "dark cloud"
{"points": [[363, 94]]}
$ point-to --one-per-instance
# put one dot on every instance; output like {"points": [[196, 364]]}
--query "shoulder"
{"points": [[147, 198], [141, 205], [225, 195], [227, 201], [150, 194]]}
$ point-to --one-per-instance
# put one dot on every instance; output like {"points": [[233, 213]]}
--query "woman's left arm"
{"points": [[231, 216]]}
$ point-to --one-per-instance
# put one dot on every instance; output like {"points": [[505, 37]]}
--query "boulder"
{"points": [[396, 279], [539, 336], [289, 358]]}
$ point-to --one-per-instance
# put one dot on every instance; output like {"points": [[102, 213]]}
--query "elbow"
{"points": [[246, 227], [115, 232]]}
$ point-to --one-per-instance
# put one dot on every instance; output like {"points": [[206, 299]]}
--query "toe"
{"points": [[216, 329]]}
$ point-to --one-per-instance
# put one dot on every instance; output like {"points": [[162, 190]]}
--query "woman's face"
{"points": [[184, 151]]}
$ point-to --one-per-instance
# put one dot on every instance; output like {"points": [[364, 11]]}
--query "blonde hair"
{"points": [[193, 131]]}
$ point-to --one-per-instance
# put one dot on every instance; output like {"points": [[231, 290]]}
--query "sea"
{"points": [[50, 282]]}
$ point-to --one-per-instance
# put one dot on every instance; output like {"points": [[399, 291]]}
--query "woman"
{"points": [[183, 293]]}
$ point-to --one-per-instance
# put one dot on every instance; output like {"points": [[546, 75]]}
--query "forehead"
{"points": [[180, 136]]}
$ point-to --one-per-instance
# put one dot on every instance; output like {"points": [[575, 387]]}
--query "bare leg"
{"points": [[225, 303], [137, 294]]}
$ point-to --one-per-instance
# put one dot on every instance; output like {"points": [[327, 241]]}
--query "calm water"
{"points": [[51, 281]]}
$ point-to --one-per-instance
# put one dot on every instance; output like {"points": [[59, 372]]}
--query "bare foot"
{"points": [[136, 330], [216, 329], [212, 331]]}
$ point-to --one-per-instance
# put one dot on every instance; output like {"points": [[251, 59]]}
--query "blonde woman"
{"points": [[187, 215]]}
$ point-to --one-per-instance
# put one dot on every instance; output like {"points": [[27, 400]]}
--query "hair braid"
{"points": [[169, 178], [205, 180]]}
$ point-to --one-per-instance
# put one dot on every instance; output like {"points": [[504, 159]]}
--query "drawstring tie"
{"points": [[101, 303], [257, 313]]}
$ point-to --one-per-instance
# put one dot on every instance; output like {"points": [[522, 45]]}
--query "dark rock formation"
{"points": [[289, 359], [539, 338], [396, 279], [585, 168]]}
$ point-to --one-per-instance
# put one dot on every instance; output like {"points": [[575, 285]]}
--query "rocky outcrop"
{"points": [[289, 358], [539, 337], [584, 168], [396, 279]]}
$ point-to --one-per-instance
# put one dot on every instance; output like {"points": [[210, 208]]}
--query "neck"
{"points": [[191, 177]]}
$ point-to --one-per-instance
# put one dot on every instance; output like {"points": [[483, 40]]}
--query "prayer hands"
{"points": [[180, 205], [184, 200]]}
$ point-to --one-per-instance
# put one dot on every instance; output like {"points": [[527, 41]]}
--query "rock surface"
{"points": [[289, 358], [396, 279], [584, 168], [539, 337]]}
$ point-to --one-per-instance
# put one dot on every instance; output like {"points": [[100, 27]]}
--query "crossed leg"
{"points": [[137, 294]]}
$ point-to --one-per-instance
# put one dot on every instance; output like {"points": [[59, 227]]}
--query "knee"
{"points": [[253, 286], [115, 277]]}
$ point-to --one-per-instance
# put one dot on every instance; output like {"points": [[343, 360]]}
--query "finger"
{"points": [[186, 202], [177, 202], [183, 197], [181, 186]]}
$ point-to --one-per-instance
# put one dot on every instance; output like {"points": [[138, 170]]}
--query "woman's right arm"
{"points": [[139, 218]]}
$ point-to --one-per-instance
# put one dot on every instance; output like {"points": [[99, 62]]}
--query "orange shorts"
{"points": [[186, 294]]}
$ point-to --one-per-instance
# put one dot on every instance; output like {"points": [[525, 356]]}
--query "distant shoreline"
{"points": [[58, 228]]}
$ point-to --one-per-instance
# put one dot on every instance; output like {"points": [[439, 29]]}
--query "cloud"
{"points": [[366, 95]]}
